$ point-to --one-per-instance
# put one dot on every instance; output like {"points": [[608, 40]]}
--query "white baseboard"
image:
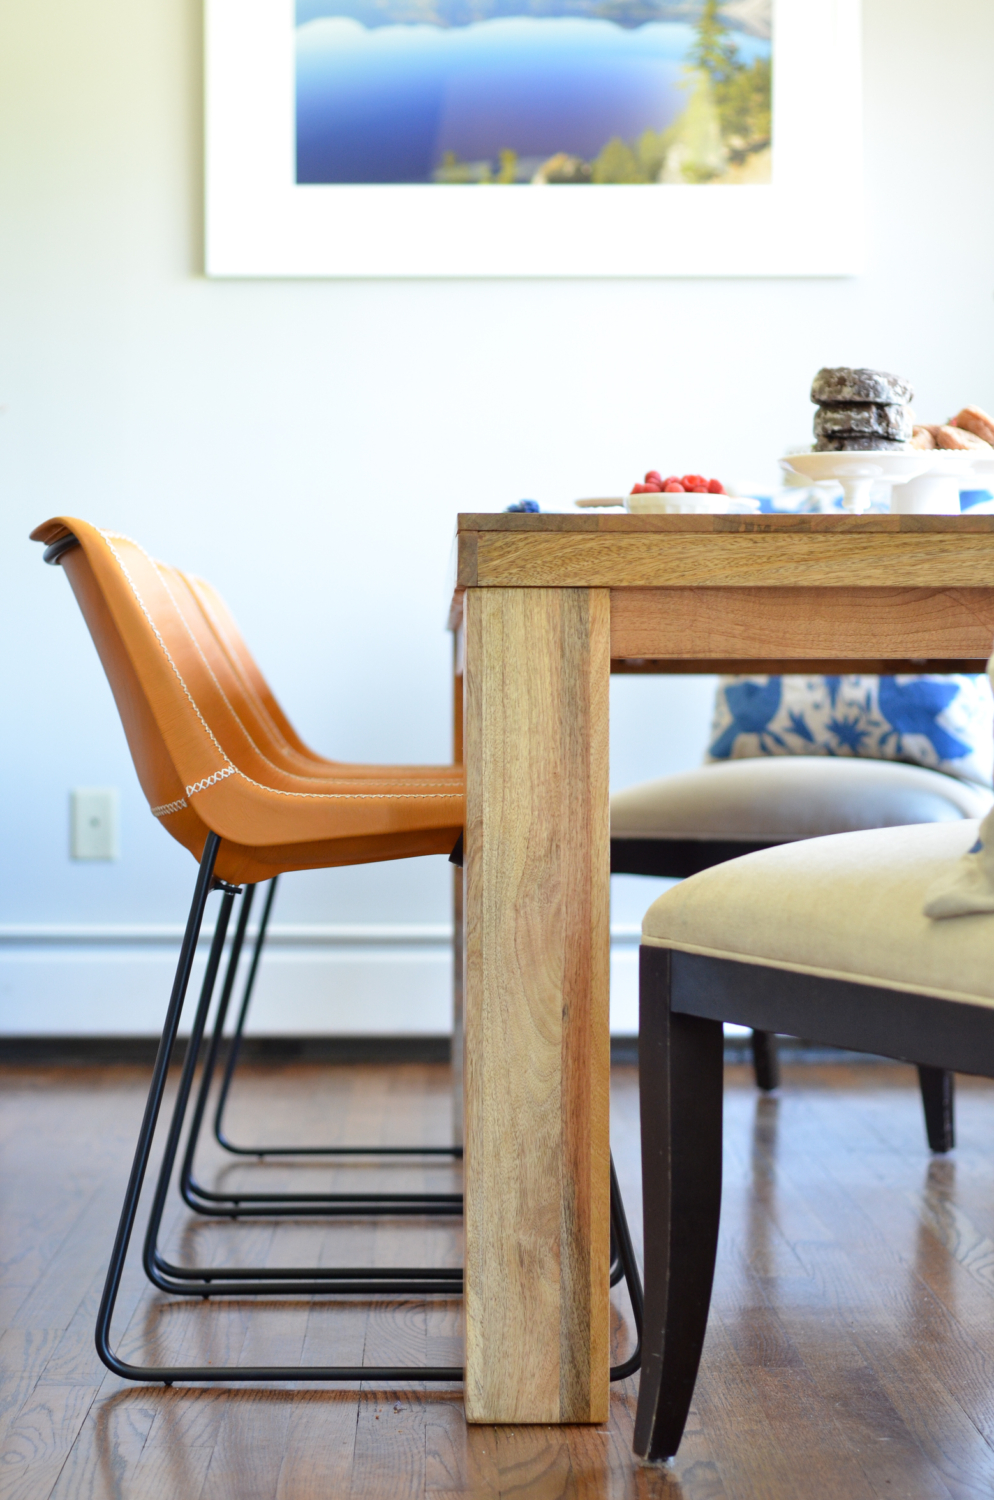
{"points": [[357, 980]]}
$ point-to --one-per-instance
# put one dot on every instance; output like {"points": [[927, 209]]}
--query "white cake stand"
{"points": [[936, 492], [858, 472]]}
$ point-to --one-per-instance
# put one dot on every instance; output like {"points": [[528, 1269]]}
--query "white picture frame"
{"points": [[259, 223]]}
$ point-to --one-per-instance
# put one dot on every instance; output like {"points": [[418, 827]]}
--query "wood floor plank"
{"points": [[24, 1355], [849, 1352], [899, 1328], [319, 1447], [390, 1447], [535, 1461], [180, 1445], [40, 1439], [101, 1462], [241, 1464], [459, 1460]]}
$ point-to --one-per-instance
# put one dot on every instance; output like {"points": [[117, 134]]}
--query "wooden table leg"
{"points": [[536, 995], [458, 1028]]}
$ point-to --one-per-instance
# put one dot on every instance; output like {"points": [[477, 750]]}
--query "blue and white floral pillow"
{"points": [[942, 722]]}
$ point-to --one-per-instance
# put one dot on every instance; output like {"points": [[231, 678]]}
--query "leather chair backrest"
{"points": [[196, 731]]}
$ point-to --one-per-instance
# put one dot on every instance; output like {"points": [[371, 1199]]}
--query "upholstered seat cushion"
{"points": [[783, 797], [847, 907]]}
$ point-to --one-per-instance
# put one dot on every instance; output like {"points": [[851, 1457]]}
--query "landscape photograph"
{"points": [[534, 92]]}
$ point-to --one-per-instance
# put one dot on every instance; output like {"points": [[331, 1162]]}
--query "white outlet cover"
{"points": [[93, 823]]}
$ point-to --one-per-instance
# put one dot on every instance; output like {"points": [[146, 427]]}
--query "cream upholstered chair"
{"points": [[681, 824], [827, 939]]}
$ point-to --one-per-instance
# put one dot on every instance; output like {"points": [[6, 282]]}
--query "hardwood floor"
{"points": [[850, 1351]]}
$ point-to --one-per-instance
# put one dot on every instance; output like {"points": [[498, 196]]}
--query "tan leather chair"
{"points": [[227, 776], [197, 762], [219, 781]]}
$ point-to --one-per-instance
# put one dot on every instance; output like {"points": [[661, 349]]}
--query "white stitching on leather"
{"points": [[231, 768], [169, 807], [201, 786]]}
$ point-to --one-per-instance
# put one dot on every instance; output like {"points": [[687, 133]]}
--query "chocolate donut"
{"points": [[867, 420], [848, 442], [833, 386]]}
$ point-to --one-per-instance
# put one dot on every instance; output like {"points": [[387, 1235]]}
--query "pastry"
{"points": [[850, 442], [831, 386], [973, 419], [864, 418], [958, 439], [923, 438]]}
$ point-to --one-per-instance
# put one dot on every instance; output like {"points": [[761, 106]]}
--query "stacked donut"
{"points": [[861, 409]]}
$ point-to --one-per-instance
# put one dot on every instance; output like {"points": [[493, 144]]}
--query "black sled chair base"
{"points": [[276, 1205], [207, 1282], [244, 1203]]}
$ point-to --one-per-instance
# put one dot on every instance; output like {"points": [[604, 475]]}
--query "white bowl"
{"points": [[690, 504]]}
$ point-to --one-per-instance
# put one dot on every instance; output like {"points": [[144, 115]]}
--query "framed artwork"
{"points": [[533, 138]]}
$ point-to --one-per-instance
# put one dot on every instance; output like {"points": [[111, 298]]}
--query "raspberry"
{"points": [[673, 487], [653, 477], [693, 481], [673, 479], [715, 487], [639, 489]]}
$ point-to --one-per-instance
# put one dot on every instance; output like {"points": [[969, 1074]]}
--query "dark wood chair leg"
{"points": [[680, 1073], [766, 1060], [937, 1099]]}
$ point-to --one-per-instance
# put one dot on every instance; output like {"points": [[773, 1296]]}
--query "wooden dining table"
{"points": [[546, 608]]}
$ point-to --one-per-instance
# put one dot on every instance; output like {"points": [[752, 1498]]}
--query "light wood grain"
{"points": [[739, 624], [807, 666], [833, 523], [744, 560], [458, 1027], [536, 1005]]}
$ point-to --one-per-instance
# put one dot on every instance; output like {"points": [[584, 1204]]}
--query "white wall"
{"points": [[307, 446]]}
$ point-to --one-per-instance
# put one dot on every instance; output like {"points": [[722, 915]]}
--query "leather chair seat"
{"points": [[780, 798], [847, 907]]}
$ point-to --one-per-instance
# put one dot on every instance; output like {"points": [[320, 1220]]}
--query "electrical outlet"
{"points": [[93, 822]]}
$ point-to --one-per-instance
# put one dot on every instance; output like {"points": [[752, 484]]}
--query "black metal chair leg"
{"points": [[680, 1066], [629, 1269], [251, 1281], [278, 1205], [167, 1374], [153, 1105], [766, 1060], [260, 1152], [206, 1282], [937, 1099], [270, 1204], [235, 1045]]}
